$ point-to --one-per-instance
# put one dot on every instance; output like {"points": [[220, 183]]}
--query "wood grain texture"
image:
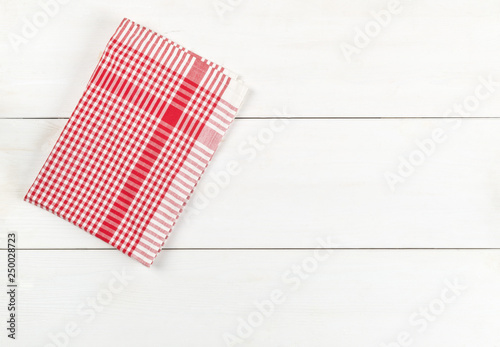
{"points": [[191, 298], [314, 178], [427, 57], [245, 235]]}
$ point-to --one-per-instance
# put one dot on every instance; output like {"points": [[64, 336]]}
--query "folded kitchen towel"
{"points": [[141, 136]]}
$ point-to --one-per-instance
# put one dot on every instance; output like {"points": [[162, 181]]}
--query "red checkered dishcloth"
{"points": [[148, 123]]}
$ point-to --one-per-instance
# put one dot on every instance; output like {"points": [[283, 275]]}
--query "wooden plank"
{"points": [[193, 298], [428, 55], [309, 178]]}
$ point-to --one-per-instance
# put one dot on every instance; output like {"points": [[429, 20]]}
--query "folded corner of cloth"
{"points": [[147, 125]]}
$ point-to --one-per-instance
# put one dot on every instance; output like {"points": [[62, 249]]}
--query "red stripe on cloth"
{"points": [[207, 111], [171, 116]]}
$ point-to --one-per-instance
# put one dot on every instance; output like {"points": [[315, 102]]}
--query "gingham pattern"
{"points": [[141, 136]]}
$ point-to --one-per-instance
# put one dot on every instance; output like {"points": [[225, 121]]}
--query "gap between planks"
{"points": [[277, 249], [293, 117]]}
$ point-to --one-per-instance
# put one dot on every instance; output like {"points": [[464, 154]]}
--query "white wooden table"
{"points": [[371, 132]]}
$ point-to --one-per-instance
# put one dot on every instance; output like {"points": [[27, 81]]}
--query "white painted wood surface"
{"points": [[192, 298], [315, 179], [288, 51]]}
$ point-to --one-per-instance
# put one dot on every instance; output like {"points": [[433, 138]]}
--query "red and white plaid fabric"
{"points": [[141, 136]]}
